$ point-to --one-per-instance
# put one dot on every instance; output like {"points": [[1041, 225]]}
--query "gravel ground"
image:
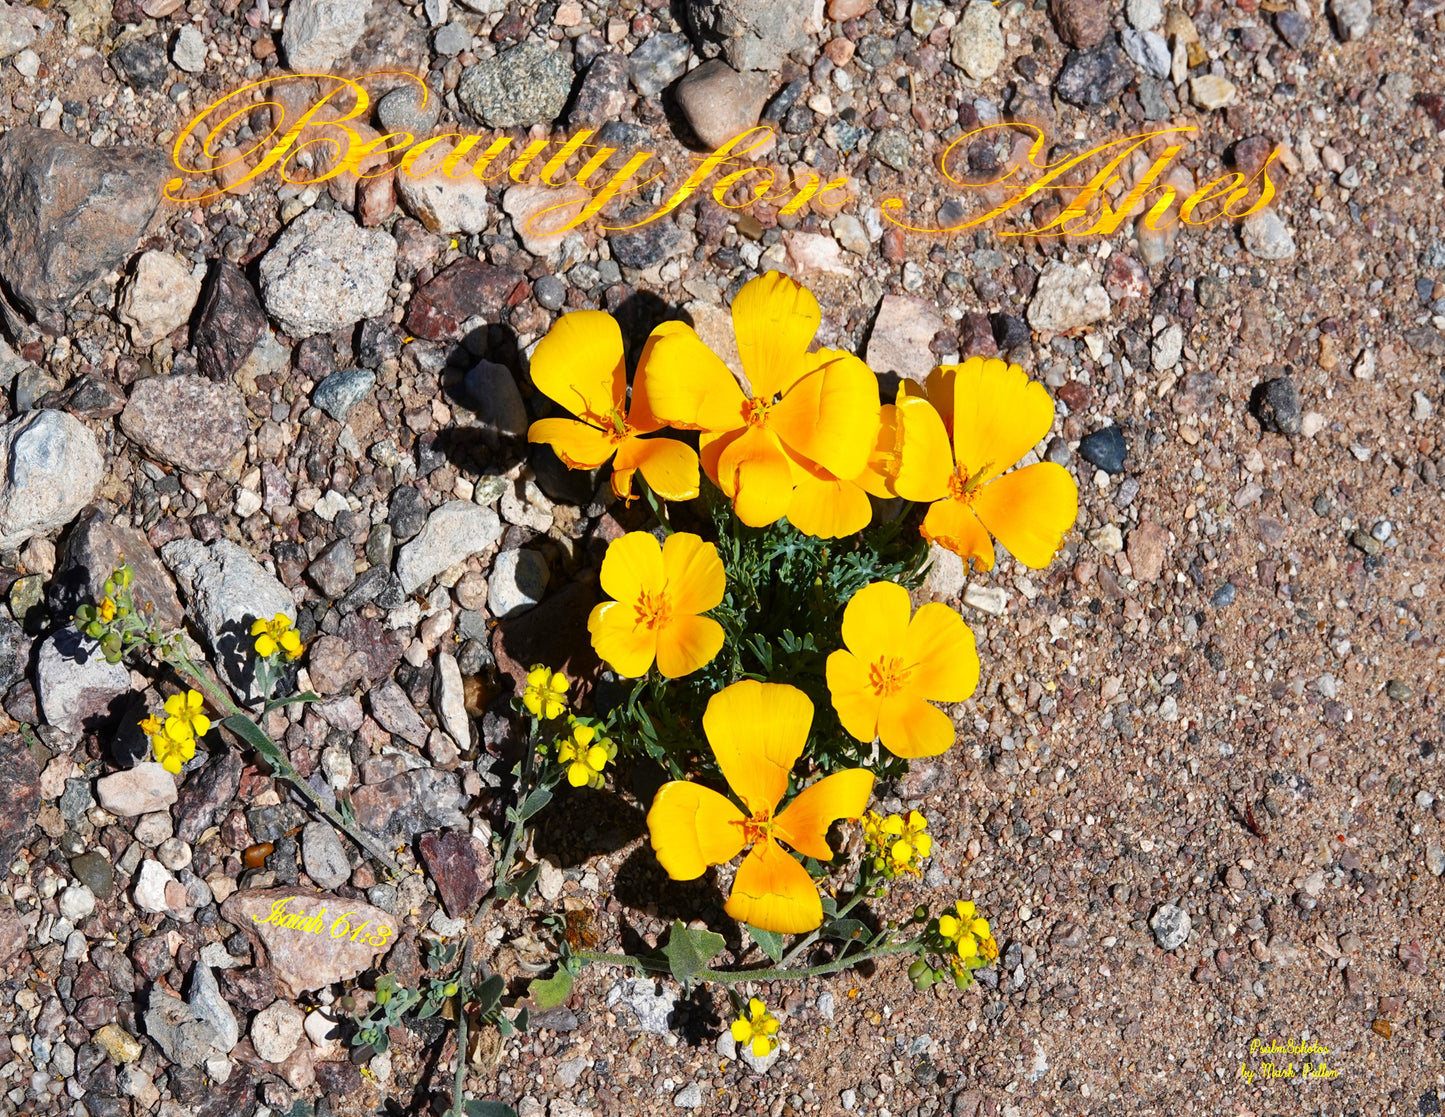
{"points": [[1211, 726]]}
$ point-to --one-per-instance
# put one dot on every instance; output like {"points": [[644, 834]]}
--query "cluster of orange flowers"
{"points": [[801, 435], [804, 434]]}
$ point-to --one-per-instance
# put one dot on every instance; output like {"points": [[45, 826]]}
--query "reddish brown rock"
{"points": [[461, 867], [1080, 23], [466, 288], [1147, 544], [310, 939]]}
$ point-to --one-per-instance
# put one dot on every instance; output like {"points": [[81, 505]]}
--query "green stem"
{"points": [[459, 1087], [659, 509], [812, 936], [762, 973], [514, 829], [183, 663]]}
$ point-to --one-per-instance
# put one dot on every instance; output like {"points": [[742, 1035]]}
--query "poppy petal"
{"points": [[633, 566], [826, 507], [952, 524], [686, 644], [579, 445], [693, 572], [875, 621], [854, 697], [753, 470], [626, 646], [692, 827], [668, 466], [877, 476], [925, 457], [640, 416], [757, 732], [804, 823], [909, 727], [940, 649], [687, 384], [999, 415], [580, 364], [774, 320], [831, 415], [1030, 511], [774, 892]]}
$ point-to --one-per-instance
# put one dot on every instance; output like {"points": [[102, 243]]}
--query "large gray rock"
{"points": [[318, 32], [52, 467], [187, 1040], [70, 212], [325, 272], [76, 687], [16, 31], [455, 531], [193, 423], [225, 591], [209, 1007], [94, 547], [1067, 298], [751, 34], [517, 88]]}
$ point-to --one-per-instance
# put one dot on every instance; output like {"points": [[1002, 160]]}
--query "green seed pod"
{"points": [[921, 975], [920, 913]]}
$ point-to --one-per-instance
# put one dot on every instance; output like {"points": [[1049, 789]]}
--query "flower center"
{"points": [[617, 422], [888, 676], [958, 486], [755, 412], [654, 610], [758, 828]]}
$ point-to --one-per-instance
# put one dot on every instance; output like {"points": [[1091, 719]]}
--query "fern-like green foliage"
{"points": [[782, 616]]}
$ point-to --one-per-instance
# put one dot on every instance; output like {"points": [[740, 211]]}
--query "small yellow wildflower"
{"points": [[185, 718], [107, 609], [967, 933], [585, 756], [276, 635], [171, 751], [757, 1027], [899, 844], [546, 694]]}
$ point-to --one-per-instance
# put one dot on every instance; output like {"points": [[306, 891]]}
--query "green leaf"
{"points": [[846, 930], [549, 992], [488, 1109], [534, 802], [830, 907], [291, 700], [770, 941], [688, 952], [250, 732], [522, 1019], [489, 994], [523, 884]]}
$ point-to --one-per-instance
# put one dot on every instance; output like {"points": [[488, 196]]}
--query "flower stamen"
{"points": [[888, 676]]}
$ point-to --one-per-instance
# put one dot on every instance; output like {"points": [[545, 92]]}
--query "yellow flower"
{"points": [[107, 609], [585, 756], [185, 718], [793, 442], [580, 365], [757, 732], [968, 936], [758, 1028], [899, 844], [949, 448], [172, 752], [659, 591], [276, 635], [545, 693], [891, 668]]}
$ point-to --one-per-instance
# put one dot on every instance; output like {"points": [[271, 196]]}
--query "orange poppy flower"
{"points": [[891, 668], [659, 592], [757, 732], [580, 364], [792, 442], [949, 447]]}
